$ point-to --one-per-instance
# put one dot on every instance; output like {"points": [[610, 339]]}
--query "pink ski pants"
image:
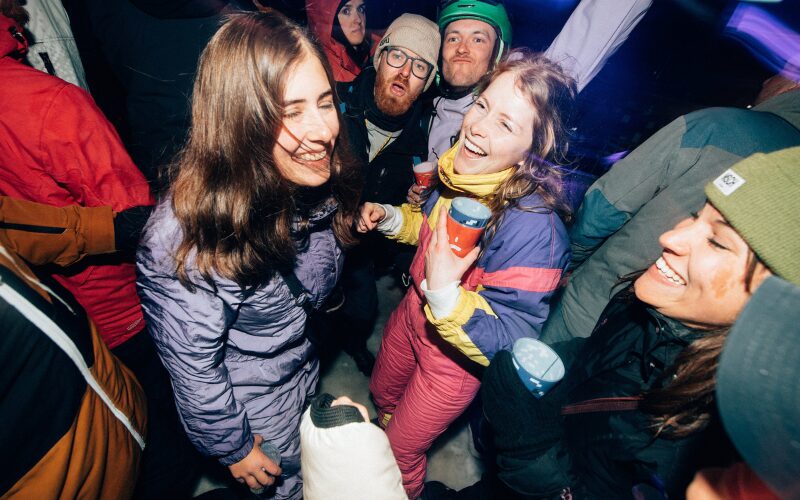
{"points": [[423, 382]]}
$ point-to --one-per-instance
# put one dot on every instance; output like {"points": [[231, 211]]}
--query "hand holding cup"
{"points": [[537, 364], [414, 195], [442, 265], [256, 469]]}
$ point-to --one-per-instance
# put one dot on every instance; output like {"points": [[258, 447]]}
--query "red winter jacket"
{"points": [[56, 147], [320, 22]]}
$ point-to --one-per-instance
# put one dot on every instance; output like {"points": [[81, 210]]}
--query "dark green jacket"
{"points": [[598, 454]]}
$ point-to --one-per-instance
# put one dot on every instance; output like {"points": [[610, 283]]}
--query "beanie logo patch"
{"points": [[385, 41], [729, 182]]}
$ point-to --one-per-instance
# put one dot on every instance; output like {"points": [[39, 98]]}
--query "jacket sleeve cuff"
{"points": [[442, 301], [99, 233], [239, 454], [392, 223]]}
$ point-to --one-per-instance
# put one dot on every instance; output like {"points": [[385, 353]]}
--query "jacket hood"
{"points": [[787, 106], [11, 39], [320, 21], [320, 18]]}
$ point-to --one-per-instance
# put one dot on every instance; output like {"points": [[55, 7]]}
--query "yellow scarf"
{"points": [[478, 185]]}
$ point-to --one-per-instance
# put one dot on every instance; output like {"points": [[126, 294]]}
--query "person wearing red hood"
{"points": [[57, 148], [340, 27]]}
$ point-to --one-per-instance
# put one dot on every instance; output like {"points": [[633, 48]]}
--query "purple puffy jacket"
{"points": [[240, 363]]}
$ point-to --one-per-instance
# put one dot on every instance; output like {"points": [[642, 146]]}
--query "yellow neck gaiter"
{"points": [[477, 185]]}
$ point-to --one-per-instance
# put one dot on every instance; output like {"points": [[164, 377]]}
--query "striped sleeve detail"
{"points": [[529, 279], [412, 222], [450, 327]]}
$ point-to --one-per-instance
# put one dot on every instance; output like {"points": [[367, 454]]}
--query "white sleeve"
{"points": [[392, 223], [592, 34], [442, 301]]}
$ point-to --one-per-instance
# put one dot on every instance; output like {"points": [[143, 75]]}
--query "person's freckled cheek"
{"points": [[721, 283]]}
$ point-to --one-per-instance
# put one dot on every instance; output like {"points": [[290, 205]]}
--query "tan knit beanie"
{"points": [[760, 198], [417, 34]]}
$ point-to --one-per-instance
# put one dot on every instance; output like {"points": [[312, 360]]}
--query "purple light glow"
{"points": [[767, 38], [615, 157]]}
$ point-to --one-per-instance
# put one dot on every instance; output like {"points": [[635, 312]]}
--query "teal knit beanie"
{"points": [[760, 198]]}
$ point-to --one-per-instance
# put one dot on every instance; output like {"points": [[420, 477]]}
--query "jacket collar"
{"points": [[673, 326], [320, 18], [316, 205], [480, 185]]}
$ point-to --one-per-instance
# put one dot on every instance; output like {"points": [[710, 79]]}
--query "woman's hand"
{"points": [[255, 469], [415, 193], [345, 401], [371, 215], [442, 266]]}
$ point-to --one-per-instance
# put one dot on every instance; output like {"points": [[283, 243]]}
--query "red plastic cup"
{"points": [[466, 221], [424, 173]]}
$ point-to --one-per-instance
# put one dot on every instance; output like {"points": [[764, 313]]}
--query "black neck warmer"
{"points": [[452, 93], [307, 199]]}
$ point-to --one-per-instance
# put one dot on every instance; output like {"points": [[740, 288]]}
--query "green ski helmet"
{"points": [[492, 12]]}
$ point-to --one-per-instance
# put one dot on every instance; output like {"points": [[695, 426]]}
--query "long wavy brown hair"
{"points": [[552, 93], [236, 210]]}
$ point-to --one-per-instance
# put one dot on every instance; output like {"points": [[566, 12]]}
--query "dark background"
{"points": [[677, 60]]}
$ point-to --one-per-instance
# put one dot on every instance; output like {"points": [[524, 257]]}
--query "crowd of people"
{"points": [[168, 301]]}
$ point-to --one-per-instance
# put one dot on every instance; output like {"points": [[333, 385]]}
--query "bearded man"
{"points": [[387, 124], [387, 120]]}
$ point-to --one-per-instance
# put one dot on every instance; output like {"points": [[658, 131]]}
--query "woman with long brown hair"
{"points": [[635, 415], [247, 242]]}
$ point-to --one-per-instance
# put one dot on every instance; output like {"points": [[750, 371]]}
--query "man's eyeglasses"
{"points": [[396, 58]]}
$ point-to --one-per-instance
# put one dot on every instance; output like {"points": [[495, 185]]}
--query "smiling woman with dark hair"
{"points": [[635, 415], [261, 204]]}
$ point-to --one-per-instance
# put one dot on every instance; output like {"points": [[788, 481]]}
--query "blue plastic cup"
{"points": [[538, 366]]}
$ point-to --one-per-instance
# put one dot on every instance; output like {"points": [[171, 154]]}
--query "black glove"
{"points": [[522, 425], [128, 226]]}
